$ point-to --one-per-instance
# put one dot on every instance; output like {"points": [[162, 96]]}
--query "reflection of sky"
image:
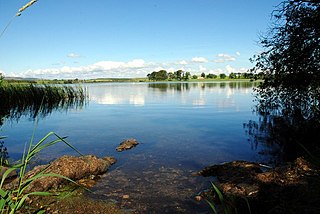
{"points": [[199, 95], [110, 99], [153, 114], [115, 95]]}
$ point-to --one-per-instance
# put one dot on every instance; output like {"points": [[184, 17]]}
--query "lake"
{"points": [[181, 128]]}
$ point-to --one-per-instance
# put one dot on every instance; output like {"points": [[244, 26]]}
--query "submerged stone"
{"points": [[127, 144]]}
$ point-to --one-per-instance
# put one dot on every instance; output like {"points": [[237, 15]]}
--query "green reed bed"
{"points": [[19, 99]]}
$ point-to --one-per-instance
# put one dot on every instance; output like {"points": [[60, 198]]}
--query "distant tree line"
{"points": [[181, 75]]}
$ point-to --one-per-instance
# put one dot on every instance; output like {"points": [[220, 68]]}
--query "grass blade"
{"points": [[5, 175], [221, 198], [212, 206]]}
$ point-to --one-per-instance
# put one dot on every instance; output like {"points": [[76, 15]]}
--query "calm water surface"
{"points": [[181, 127]]}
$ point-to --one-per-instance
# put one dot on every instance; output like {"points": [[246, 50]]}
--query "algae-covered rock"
{"points": [[127, 144], [248, 187], [74, 168]]}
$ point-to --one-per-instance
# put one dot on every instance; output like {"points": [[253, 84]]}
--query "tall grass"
{"points": [[18, 99], [225, 204], [12, 200]]}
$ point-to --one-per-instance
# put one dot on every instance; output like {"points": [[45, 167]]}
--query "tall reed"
{"points": [[19, 99]]}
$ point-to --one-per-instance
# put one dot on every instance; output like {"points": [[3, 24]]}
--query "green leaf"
{"points": [[22, 200], [3, 193], [212, 206], [5, 199], [2, 204], [220, 195], [41, 212], [5, 174]]}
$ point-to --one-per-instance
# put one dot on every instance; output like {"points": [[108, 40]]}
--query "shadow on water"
{"points": [[288, 127]]}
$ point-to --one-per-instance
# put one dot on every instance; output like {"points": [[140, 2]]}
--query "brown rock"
{"points": [[127, 144], [88, 183], [198, 198], [243, 178], [125, 196], [74, 168]]}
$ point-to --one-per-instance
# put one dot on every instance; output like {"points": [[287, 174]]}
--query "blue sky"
{"points": [[130, 38]]}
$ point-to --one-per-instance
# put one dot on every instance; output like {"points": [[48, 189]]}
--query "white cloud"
{"points": [[136, 63], [238, 53], [202, 68], [224, 58], [124, 69], [105, 65], [242, 70], [2, 72], [73, 55], [199, 59], [136, 67], [230, 69], [183, 62]]}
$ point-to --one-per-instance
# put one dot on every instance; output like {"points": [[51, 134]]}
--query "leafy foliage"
{"points": [[4, 156], [290, 62], [158, 75], [289, 96]]}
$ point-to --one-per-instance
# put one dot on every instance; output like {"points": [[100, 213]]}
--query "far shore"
{"points": [[114, 80]]}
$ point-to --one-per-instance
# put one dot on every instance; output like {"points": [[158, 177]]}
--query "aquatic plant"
{"points": [[12, 200], [224, 204], [19, 99]]}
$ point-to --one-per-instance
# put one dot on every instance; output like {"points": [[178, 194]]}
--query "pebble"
{"points": [[125, 196], [198, 198]]}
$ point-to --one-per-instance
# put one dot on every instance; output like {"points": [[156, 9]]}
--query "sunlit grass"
{"points": [[13, 199]]}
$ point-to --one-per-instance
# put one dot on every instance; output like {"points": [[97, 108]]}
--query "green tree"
{"points": [[194, 77], [290, 62], [158, 75], [222, 76], [171, 76], [162, 75], [178, 74], [203, 75], [211, 76], [289, 96], [186, 76], [232, 75]]}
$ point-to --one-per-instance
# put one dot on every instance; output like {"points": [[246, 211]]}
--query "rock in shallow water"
{"points": [[127, 144], [242, 178], [74, 168]]}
